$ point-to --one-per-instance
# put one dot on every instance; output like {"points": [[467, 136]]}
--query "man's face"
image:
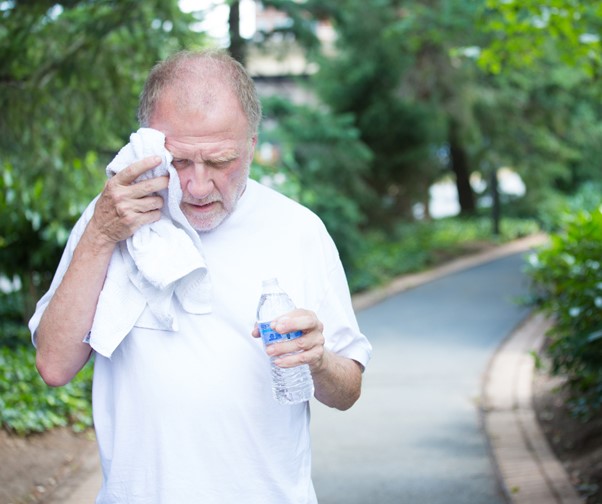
{"points": [[212, 153]]}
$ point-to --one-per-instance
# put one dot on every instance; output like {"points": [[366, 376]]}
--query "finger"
{"points": [[310, 357], [148, 186], [305, 343], [255, 332], [148, 218], [297, 320], [147, 204], [133, 171]]}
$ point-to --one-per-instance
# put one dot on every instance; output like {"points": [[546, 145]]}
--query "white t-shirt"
{"points": [[188, 417]]}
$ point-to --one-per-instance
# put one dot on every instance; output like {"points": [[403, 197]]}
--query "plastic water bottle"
{"points": [[291, 385]]}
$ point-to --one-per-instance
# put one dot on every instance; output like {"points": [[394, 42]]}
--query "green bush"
{"points": [[13, 331], [28, 405], [557, 205], [567, 284]]}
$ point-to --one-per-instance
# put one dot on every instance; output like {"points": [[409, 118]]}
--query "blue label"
{"points": [[269, 336]]}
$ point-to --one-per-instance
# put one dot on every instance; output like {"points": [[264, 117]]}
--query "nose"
{"points": [[197, 181]]}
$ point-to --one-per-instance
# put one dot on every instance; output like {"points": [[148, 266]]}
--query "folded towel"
{"points": [[161, 261]]}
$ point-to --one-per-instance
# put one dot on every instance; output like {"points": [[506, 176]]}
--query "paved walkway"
{"points": [[440, 398], [431, 415]]}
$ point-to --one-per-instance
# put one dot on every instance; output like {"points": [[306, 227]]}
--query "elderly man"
{"points": [[186, 415]]}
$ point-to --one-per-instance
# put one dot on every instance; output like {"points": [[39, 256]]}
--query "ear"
{"points": [[252, 145]]}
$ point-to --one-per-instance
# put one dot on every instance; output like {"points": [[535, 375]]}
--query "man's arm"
{"points": [[337, 379], [338, 382], [122, 208]]}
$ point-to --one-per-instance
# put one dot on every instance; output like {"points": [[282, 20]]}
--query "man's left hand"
{"points": [[307, 349]]}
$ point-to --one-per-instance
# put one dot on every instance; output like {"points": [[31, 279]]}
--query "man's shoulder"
{"points": [[276, 200]]}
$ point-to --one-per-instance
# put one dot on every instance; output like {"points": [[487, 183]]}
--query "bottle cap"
{"points": [[270, 282]]}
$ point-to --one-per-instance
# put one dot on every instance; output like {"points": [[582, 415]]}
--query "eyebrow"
{"points": [[224, 157]]}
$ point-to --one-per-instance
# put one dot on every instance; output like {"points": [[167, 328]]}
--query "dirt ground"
{"points": [[577, 444], [32, 468]]}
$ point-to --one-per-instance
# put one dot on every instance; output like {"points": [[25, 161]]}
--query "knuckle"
{"points": [[149, 185], [121, 209], [301, 343], [158, 200], [154, 215], [130, 223]]}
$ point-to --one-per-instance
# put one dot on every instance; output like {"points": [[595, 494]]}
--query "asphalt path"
{"points": [[416, 435]]}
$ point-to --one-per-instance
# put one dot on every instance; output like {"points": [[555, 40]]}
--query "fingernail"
{"points": [[280, 324]]}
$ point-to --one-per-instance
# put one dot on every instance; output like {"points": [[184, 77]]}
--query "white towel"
{"points": [[162, 260]]}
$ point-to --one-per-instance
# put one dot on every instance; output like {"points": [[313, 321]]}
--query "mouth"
{"points": [[201, 207]]}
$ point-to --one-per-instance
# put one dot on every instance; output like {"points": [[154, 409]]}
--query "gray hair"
{"points": [[199, 66]]}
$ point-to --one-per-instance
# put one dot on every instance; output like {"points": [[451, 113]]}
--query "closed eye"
{"points": [[221, 162], [180, 163]]}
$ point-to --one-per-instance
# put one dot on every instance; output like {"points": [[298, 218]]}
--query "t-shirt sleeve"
{"points": [[72, 242], [341, 330]]}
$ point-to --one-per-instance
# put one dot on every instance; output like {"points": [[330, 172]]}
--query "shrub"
{"points": [[28, 405], [567, 284]]}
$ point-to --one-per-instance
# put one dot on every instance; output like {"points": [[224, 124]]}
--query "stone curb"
{"points": [[529, 471]]}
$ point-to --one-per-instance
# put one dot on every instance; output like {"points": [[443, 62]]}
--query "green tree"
{"points": [[524, 31], [362, 77], [238, 44], [545, 59], [438, 35], [322, 160], [70, 74]]}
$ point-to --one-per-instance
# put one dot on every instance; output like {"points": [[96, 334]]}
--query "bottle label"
{"points": [[269, 336]]}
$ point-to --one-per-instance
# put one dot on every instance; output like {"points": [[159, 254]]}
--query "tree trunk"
{"points": [[496, 207], [237, 47], [460, 167]]}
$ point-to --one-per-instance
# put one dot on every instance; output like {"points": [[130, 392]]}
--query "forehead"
{"points": [[197, 148], [198, 118]]}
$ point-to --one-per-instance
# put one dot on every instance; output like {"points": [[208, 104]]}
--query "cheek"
{"points": [[184, 177], [236, 176]]}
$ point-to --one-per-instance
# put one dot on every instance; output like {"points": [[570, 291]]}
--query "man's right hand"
{"points": [[122, 208], [125, 205]]}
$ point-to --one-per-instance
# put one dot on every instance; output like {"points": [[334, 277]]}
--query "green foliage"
{"points": [[13, 332], [546, 58], [548, 129], [567, 284], [28, 405], [362, 78], [70, 74], [553, 211], [526, 29], [320, 163]]}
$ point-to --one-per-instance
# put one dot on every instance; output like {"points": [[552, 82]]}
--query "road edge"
{"points": [[528, 470]]}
